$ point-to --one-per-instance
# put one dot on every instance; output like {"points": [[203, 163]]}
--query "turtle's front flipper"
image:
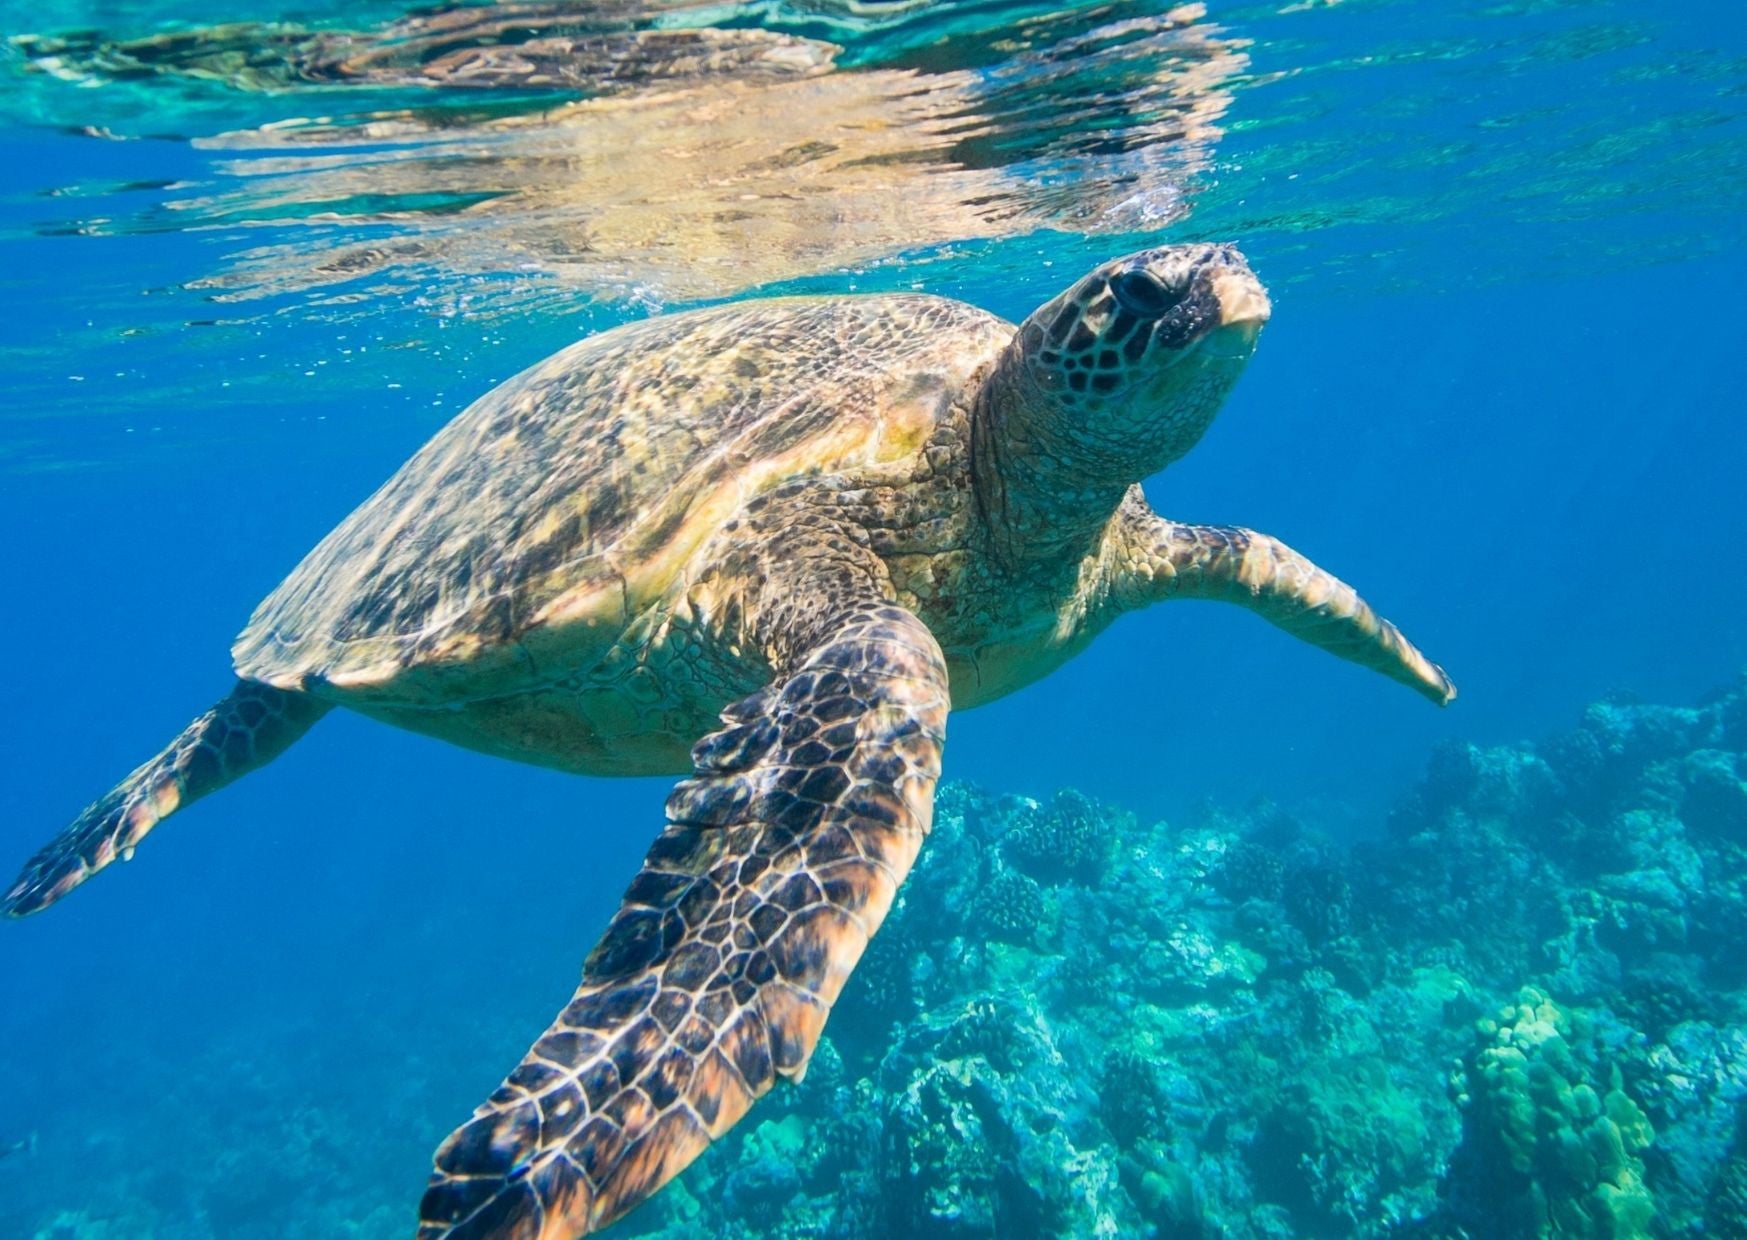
{"points": [[779, 861], [248, 729], [1162, 559]]}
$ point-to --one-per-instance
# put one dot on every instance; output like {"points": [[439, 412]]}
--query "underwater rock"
{"points": [[1602, 762], [1727, 705], [1726, 1207], [1693, 1082], [1502, 782], [1714, 799], [1667, 993]]}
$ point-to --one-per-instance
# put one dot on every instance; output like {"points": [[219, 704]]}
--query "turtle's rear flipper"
{"points": [[779, 861], [248, 729]]}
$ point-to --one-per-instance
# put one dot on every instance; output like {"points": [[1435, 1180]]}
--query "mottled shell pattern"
{"points": [[520, 540]]}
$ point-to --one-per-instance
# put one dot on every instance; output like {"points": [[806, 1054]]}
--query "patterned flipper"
{"points": [[1234, 565], [248, 729], [779, 861]]}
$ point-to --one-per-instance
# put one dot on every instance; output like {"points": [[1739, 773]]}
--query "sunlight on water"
{"points": [[667, 153], [478, 165], [702, 161]]}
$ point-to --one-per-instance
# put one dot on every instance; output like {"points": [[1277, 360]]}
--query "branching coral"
{"points": [[1319, 901], [1070, 838], [1128, 1096], [1251, 871], [1010, 907]]}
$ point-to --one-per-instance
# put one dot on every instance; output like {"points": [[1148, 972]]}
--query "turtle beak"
{"points": [[1242, 300]]}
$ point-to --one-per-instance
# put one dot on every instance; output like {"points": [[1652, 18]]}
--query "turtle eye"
{"points": [[1140, 293]]}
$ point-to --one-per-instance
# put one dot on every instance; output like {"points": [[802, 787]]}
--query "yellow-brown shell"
{"points": [[513, 547]]}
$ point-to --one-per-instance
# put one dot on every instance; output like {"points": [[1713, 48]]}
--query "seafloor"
{"points": [[1514, 1011]]}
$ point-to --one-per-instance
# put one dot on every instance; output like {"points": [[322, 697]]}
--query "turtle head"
{"points": [[1129, 365]]}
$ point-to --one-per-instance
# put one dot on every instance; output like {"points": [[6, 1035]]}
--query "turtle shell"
{"points": [[515, 546]]}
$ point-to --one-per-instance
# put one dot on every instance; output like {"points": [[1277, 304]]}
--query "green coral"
{"points": [[1575, 1148]]}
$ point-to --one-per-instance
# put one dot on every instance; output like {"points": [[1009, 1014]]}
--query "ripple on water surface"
{"points": [[505, 157]]}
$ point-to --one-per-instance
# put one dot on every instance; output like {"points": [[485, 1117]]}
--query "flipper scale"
{"points": [[780, 858], [1161, 559], [246, 730]]}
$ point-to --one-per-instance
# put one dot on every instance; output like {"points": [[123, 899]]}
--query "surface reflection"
{"points": [[699, 161]]}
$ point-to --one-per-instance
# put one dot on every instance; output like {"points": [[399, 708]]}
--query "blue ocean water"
{"points": [[1500, 393]]}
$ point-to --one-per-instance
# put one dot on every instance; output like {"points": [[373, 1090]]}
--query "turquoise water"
{"points": [[1500, 393]]}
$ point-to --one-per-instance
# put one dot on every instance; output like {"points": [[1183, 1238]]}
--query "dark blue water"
{"points": [[1500, 393]]}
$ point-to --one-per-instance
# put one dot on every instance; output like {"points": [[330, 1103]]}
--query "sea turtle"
{"points": [[768, 545]]}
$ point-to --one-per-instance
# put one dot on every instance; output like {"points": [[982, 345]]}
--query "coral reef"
{"points": [[1010, 907], [1515, 1011], [1726, 1210], [1251, 871], [1070, 838], [1545, 1149]]}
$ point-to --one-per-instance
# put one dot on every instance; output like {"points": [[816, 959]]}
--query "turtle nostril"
{"points": [[1140, 293]]}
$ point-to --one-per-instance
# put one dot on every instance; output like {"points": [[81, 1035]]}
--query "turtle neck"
{"points": [[1046, 493]]}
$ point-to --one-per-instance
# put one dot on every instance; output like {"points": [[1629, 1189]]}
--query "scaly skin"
{"points": [[779, 862], [1153, 559], [557, 517], [840, 516], [247, 730]]}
